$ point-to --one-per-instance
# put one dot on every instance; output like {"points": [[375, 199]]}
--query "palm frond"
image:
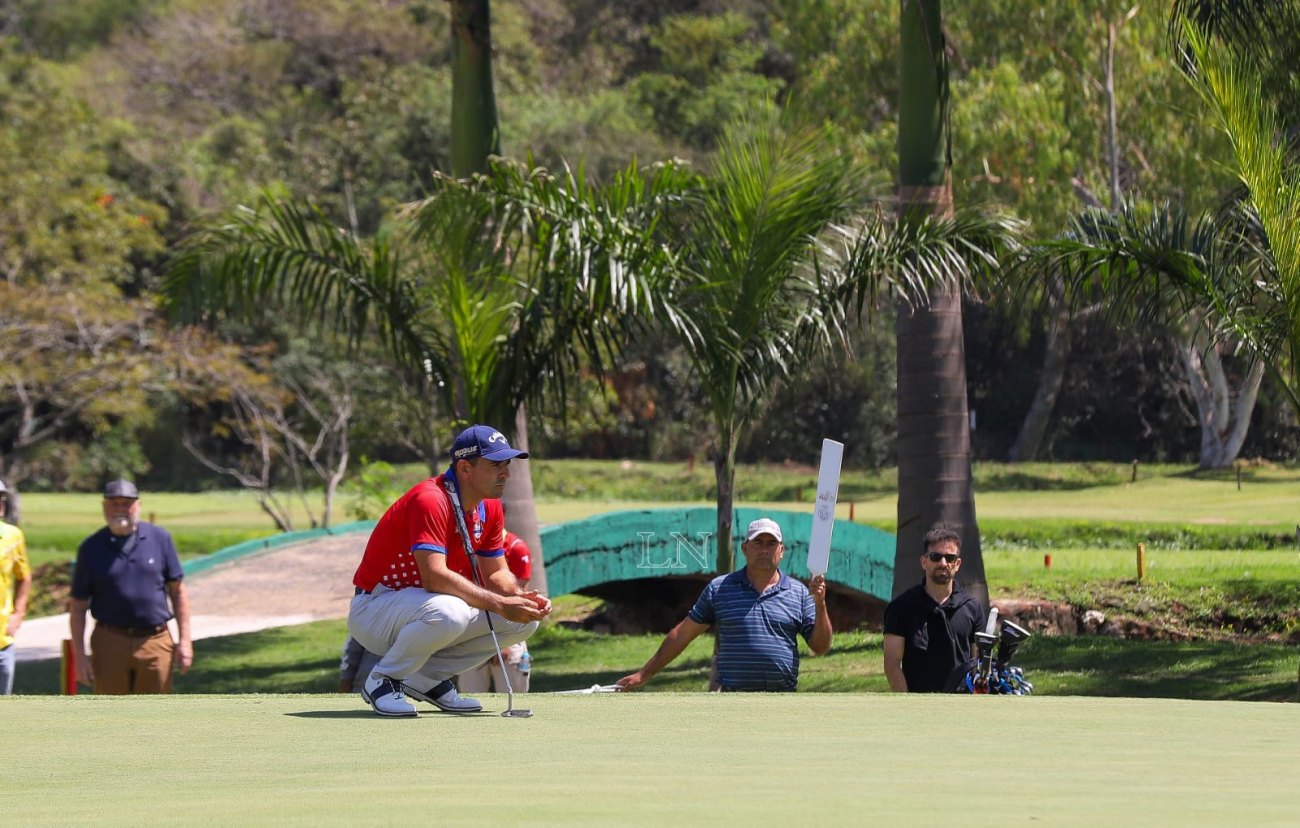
{"points": [[293, 258], [1144, 264], [569, 267], [904, 261], [748, 242], [1157, 266], [1230, 84]]}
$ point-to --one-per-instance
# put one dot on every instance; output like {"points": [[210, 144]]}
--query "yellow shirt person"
{"points": [[15, 587], [14, 570]]}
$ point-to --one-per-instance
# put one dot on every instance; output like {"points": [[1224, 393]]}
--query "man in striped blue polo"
{"points": [[759, 611]]}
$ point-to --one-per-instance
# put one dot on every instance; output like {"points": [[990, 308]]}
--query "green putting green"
{"points": [[665, 758]]}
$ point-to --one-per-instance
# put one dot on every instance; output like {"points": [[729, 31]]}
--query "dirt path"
{"points": [[311, 578], [309, 581]]}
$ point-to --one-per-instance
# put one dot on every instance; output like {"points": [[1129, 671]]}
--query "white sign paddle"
{"points": [[828, 491]]}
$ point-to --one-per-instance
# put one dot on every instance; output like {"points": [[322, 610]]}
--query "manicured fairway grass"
{"points": [[653, 759], [1010, 570]]}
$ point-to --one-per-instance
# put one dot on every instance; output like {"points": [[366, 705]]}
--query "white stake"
{"points": [[828, 490]]}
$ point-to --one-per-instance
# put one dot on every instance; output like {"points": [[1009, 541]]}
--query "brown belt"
{"points": [[133, 632]]}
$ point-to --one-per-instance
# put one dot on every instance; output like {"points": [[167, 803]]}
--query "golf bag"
{"points": [[994, 674]]}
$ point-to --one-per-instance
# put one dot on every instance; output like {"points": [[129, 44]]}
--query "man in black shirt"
{"points": [[930, 629]]}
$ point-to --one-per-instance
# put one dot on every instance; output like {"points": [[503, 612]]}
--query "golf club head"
{"points": [[1014, 632], [1013, 635], [510, 712], [984, 642], [991, 626]]}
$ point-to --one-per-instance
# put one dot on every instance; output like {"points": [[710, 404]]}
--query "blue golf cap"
{"points": [[483, 441]]}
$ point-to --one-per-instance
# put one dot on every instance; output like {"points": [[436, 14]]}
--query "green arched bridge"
{"points": [[648, 543]]}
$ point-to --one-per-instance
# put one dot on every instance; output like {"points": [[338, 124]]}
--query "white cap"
{"points": [[763, 526]]}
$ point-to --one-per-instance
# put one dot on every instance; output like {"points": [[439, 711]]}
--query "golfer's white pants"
{"points": [[435, 635]]}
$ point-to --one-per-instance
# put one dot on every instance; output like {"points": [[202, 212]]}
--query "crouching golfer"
{"points": [[418, 604], [758, 611]]}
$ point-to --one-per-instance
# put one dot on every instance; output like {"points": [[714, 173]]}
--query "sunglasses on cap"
{"points": [[948, 557]]}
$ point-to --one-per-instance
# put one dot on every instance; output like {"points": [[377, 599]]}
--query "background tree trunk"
{"points": [[934, 467], [15, 514], [1224, 417], [1056, 355], [521, 510]]}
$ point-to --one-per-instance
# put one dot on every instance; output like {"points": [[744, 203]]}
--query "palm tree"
{"points": [[489, 293], [934, 463], [1263, 310], [1157, 267], [780, 253], [746, 247], [443, 287]]}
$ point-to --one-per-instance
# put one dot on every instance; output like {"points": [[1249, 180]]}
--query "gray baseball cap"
{"points": [[763, 526], [121, 488]]}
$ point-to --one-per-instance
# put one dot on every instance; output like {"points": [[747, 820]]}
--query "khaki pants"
{"points": [[126, 664], [487, 678]]}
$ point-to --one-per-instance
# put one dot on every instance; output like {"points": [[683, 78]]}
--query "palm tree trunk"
{"points": [[475, 135], [934, 472], [521, 510], [724, 470], [474, 130]]}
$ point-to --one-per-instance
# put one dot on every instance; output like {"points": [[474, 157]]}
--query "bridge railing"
{"points": [[648, 543]]}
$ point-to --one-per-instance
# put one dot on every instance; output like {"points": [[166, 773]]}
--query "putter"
{"points": [[463, 530]]}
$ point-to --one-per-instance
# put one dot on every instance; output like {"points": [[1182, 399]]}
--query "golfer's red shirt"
{"points": [[423, 519]]}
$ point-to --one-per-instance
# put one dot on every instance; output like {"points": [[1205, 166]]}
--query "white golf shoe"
{"points": [[385, 696], [443, 696]]}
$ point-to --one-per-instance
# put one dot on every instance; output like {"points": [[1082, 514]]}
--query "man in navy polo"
{"points": [[125, 575], [759, 611]]}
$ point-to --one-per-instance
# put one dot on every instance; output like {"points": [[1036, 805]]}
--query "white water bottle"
{"points": [[525, 663]]}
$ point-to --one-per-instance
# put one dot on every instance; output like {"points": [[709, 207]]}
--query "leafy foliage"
{"points": [[1242, 266], [64, 220], [488, 292], [159, 114]]}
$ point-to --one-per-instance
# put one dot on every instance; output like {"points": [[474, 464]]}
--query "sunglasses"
{"points": [[948, 557]]}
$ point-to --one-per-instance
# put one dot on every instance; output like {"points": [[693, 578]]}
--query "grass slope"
{"points": [[667, 758], [1032, 503]]}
